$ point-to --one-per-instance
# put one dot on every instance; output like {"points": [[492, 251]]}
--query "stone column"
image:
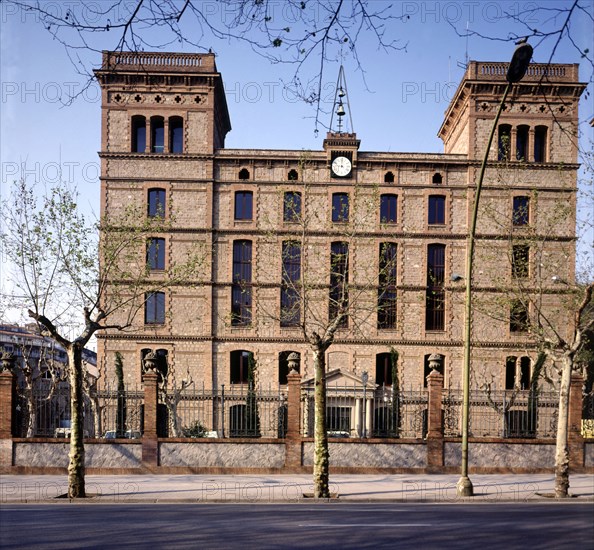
{"points": [[6, 407], [293, 435], [575, 439], [150, 445], [435, 415]]}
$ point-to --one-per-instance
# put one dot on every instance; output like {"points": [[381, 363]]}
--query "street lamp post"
{"points": [[515, 72]]}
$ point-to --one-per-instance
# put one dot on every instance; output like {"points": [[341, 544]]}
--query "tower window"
{"points": [[504, 142], [521, 211], [292, 206], [389, 177], [435, 293], [386, 306], [292, 175], [518, 317], [291, 275], [241, 290], [157, 134], [540, 144], [339, 280], [437, 178], [436, 210], [522, 143], [156, 203], [138, 134], [176, 134], [340, 207], [244, 174], [520, 261], [155, 254], [154, 308], [243, 205], [388, 208]]}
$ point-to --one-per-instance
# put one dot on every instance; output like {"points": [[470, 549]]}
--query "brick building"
{"points": [[270, 217]]}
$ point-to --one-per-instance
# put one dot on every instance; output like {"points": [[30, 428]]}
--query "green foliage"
{"points": [[195, 430]]}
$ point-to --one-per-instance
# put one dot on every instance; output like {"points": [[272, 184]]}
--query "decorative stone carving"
{"points": [[149, 363], [7, 361]]}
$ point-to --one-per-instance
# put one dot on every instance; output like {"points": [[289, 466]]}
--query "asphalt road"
{"points": [[307, 525]]}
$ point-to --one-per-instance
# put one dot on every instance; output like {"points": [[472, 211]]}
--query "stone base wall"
{"points": [[50, 456]]}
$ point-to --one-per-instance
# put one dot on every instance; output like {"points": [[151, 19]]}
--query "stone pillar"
{"points": [[150, 445], [575, 439], [293, 435], [6, 408], [435, 415]]}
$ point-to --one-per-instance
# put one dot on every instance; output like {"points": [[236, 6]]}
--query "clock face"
{"points": [[341, 166]]}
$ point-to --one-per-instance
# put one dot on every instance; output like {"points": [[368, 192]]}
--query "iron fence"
{"points": [[352, 411], [238, 410], [502, 413]]}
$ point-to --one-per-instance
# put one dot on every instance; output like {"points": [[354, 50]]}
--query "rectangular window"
{"points": [[340, 207], [388, 207], [156, 203], [518, 317], [138, 134], [436, 211], [504, 142], [291, 275], [520, 261], [522, 143], [176, 134], [435, 294], [292, 206], [154, 308], [158, 134], [155, 254], [540, 144], [386, 302], [241, 290], [339, 282], [243, 205], [521, 211]]}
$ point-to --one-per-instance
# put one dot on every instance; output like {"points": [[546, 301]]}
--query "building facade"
{"points": [[279, 232]]}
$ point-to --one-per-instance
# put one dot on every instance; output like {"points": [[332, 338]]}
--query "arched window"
{"points": [[540, 144], [138, 134], [504, 142], [244, 174], [157, 134], [383, 369], [437, 178], [176, 134], [240, 362], [292, 175], [522, 142], [517, 373], [283, 365], [389, 177]]}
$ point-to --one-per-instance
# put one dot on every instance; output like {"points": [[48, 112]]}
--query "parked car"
{"points": [[64, 430]]}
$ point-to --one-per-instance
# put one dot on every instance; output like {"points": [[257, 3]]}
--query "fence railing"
{"points": [[506, 413], [239, 410], [354, 412]]}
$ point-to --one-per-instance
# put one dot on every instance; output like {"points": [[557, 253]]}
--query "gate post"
{"points": [[435, 415], [150, 444], [6, 408], [293, 436]]}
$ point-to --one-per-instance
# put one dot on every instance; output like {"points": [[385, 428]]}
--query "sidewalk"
{"points": [[291, 488]]}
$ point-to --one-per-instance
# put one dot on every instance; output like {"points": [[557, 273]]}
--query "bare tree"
{"points": [[55, 256]]}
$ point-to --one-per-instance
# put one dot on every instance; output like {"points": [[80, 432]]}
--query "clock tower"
{"points": [[341, 146]]}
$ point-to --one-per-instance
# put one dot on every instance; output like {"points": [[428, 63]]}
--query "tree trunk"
{"points": [[561, 447], [321, 455], [76, 465]]}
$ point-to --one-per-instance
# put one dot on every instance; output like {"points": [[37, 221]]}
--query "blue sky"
{"points": [[397, 105]]}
